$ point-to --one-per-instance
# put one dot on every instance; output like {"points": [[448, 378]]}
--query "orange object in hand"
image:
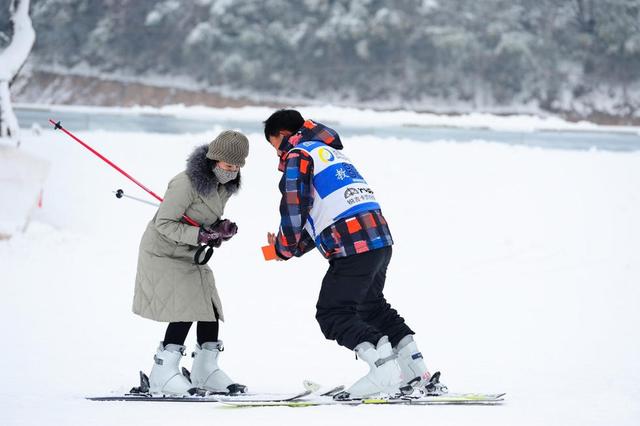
{"points": [[269, 252]]}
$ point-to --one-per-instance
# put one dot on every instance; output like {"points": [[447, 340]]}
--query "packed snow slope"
{"points": [[518, 268]]}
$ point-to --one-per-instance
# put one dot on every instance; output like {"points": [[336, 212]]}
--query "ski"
{"points": [[408, 396], [448, 399], [142, 394], [251, 398], [312, 395], [461, 399], [204, 397], [152, 398]]}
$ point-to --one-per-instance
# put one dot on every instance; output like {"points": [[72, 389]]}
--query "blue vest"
{"points": [[338, 190]]}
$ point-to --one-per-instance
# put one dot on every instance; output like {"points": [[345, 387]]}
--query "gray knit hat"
{"points": [[229, 146]]}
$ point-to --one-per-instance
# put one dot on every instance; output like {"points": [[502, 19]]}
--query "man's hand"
{"points": [[271, 239]]}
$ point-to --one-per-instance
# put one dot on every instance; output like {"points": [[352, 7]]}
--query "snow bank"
{"points": [[22, 177]]}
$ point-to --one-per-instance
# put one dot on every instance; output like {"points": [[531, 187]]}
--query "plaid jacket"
{"points": [[352, 235]]}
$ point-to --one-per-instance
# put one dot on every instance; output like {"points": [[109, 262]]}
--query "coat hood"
{"points": [[200, 173], [310, 131]]}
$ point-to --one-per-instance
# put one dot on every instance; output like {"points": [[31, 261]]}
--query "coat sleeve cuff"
{"points": [[191, 235], [280, 255]]}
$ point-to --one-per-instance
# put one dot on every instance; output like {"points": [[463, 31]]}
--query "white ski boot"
{"points": [[165, 377], [206, 373], [414, 370], [384, 375]]}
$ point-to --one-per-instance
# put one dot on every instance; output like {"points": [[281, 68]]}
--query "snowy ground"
{"points": [[518, 268]]}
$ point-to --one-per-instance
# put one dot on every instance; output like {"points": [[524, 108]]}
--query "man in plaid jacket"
{"points": [[327, 204]]}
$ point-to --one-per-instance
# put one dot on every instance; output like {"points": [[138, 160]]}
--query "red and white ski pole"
{"points": [[58, 126], [203, 253]]}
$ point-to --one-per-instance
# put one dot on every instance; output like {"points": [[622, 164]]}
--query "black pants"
{"points": [[176, 334], [351, 308]]}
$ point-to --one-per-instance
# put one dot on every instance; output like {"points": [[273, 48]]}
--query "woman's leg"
{"points": [[165, 377], [207, 331], [176, 333], [206, 373]]}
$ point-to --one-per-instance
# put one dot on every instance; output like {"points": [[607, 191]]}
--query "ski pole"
{"points": [[203, 253], [198, 257], [57, 125], [120, 194]]}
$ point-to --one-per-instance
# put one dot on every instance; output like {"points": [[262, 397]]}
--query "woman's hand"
{"points": [[225, 228], [215, 234], [207, 237]]}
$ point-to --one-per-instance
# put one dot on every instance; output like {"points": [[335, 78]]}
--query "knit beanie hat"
{"points": [[229, 146]]}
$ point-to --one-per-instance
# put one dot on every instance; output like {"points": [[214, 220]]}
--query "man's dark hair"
{"points": [[283, 119]]}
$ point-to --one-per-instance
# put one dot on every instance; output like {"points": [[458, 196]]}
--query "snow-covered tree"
{"points": [[557, 55], [12, 58]]}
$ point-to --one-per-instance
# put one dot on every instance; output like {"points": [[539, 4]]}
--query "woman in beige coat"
{"points": [[170, 286]]}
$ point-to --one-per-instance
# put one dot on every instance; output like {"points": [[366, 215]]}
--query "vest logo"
{"points": [[350, 192], [358, 195], [325, 155]]}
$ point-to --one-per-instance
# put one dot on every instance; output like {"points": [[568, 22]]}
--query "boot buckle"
{"points": [[381, 361]]}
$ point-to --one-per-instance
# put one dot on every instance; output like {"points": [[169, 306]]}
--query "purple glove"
{"points": [[206, 237], [220, 231], [226, 229]]}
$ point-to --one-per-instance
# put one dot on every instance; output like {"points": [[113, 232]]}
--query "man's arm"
{"points": [[295, 205], [306, 243]]}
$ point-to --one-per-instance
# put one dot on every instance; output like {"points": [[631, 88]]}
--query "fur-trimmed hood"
{"points": [[200, 172]]}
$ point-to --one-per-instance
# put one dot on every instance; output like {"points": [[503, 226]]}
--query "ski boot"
{"points": [[384, 375], [414, 371], [207, 375], [165, 377]]}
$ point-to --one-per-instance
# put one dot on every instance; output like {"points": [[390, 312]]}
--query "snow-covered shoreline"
{"points": [[356, 117]]}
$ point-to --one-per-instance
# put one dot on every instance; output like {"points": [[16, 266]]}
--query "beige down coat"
{"points": [[170, 287]]}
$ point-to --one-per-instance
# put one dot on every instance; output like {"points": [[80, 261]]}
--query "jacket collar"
{"points": [[310, 131]]}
